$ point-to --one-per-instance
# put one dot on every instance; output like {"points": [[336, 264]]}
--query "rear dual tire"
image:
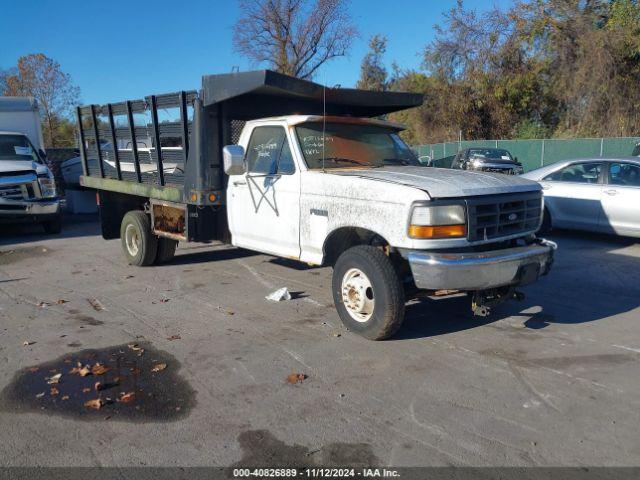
{"points": [[368, 293], [140, 245]]}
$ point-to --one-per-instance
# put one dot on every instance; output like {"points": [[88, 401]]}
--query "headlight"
{"points": [[47, 187], [442, 221]]}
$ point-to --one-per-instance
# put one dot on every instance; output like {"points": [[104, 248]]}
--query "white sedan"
{"points": [[597, 194]]}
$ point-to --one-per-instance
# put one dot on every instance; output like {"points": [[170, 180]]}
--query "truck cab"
{"points": [[349, 192]]}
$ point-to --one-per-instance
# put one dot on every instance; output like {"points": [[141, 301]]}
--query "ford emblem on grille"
{"points": [[513, 216]]}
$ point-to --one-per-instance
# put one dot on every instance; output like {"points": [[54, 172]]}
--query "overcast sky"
{"points": [[118, 49]]}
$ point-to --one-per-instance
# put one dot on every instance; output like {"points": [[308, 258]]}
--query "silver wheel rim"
{"points": [[132, 240], [357, 295]]}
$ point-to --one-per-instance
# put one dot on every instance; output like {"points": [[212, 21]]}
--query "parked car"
{"points": [[597, 194], [27, 187], [483, 159]]}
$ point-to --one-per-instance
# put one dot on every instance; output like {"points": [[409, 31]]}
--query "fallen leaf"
{"points": [[61, 301], [54, 380], [159, 367], [296, 378], [98, 386], [40, 395], [86, 390], [54, 391], [26, 343], [80, 370], [65, 397], [174, 337], [43, 304], [164, 300], [136, 348], [95, 303], [99, 369], [127, 397], [336, 334], [96, 403]]}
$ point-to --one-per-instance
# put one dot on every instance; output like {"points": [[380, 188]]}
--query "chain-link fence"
{"points": [[534, 153]]}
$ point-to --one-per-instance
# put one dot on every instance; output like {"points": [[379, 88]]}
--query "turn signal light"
{"points": [[438, 231]]}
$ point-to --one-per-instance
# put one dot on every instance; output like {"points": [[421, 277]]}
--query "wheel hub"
{"points": [[357, 295], [132, 240]]}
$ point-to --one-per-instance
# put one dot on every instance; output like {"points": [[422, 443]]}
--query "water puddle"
{"points": [[133, 382]]}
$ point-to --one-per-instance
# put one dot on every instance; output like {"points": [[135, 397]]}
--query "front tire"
{"points": [[53, 226], [546, 226], [139, 244], [367, 292]]}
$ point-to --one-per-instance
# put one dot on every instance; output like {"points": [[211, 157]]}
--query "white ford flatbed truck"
{"points": [[332, 186]]}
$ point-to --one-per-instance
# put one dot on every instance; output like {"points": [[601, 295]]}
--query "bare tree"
{"points": [[294, 37], [39, 76]]}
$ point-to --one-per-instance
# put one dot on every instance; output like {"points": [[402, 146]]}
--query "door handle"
{"points": [[239, 182], [611, 192]]}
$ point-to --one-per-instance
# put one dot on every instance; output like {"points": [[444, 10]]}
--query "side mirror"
{"points": [[515, 159], [233, 157]]}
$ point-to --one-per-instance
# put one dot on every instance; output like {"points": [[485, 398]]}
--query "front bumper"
{"points": [[20, 211], [473, 271]]}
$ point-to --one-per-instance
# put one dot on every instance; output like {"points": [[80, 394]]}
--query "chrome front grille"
{"points": [[19, 186], [498, 216], [11, 192]]}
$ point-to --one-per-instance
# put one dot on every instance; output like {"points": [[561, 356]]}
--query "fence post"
{"points": [[542, 154], [496, 143], [601, 145]]}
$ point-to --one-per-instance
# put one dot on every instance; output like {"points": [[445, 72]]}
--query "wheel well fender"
{"points": [[344, 238]]}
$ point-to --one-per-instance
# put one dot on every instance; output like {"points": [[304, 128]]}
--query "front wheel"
{"points": [[53, 226], [367, 292], [546, 226]]}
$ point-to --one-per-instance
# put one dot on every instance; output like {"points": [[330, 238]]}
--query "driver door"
{"points": [[264, 203]]}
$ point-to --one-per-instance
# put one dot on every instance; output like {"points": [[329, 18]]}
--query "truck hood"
{"points": [[22, 166], [444, 182]]}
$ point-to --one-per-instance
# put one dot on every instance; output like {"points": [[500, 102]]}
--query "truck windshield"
{"points": [[17, 147], [347, 145]]}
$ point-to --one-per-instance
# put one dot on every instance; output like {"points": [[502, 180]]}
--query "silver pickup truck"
{"points": [[27, 188]]}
